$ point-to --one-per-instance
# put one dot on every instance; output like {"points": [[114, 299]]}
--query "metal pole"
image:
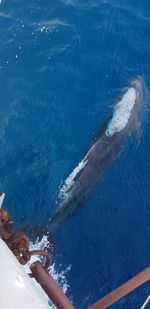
{"points": [[50, 287], [123, 290]]}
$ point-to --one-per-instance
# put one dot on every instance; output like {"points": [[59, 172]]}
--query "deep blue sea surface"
{"points": [[62, 65]]}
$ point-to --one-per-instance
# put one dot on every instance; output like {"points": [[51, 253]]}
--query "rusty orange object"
{"points": [[17, 241], [51, 288], [5, 217], [6, 224], [43, 253], [123, 290]]}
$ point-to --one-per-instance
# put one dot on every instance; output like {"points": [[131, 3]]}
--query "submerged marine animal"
{"points": [[113, 134]]}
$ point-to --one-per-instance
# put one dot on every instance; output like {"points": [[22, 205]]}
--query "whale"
{"points": [[122, 120]]}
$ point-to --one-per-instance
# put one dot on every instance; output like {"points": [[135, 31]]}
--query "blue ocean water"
{"points": [[62, 64]]}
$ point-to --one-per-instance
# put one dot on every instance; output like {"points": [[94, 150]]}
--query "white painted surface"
{"points": [[2, 199], [17, 290]]}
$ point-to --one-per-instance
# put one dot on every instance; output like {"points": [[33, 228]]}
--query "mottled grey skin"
{"points": [[101, 155]]}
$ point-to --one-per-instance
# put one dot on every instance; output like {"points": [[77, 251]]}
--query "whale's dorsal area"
{"points": [[69, 182], [103, 152], [121, 112], [116, 123]]}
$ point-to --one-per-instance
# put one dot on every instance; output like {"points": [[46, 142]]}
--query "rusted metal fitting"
{"points": [[4, 217], [51, 288], [17, 241], [44, 254], [6, 224]]}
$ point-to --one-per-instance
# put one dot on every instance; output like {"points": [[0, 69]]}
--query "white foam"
{"points": [[122, 112], [59, 277], [51, 25], [69, 182]]}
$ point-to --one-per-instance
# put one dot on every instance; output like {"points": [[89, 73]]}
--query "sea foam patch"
{"points": [[71, 179], [122, 112], [59, 277]]}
